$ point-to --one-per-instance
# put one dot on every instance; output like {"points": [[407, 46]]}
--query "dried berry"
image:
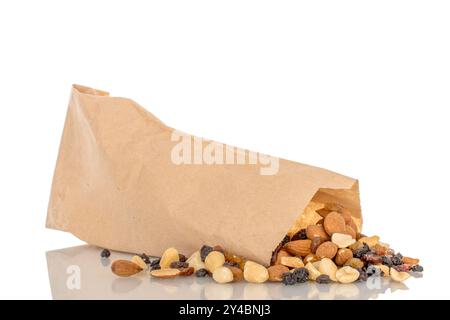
{"points": [[358, 253], [300, 274], [145, 258], [182, 257], [105, 253], [323, 279], [155, 267], [204, 251], [397, 259], [403, 267], [301, 235], [231, 264], [289, 279], [386, 260], [285, 240], [371, 270], [417, 268], [371, 258], [179, 265], [155, 262], [201, 273], [362, 275]]}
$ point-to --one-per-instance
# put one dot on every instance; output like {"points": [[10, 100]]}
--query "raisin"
{"points": [[288, 279], [182, 257], [204, 251], [105, 253], [386, 260], [371, 270], [323, 279], [155, 267], [300, 274], [397, 259], [358, 253], [154, 262], [301, 235], [371, 258], [145, 258], [277, 249], [231, 264], [179, 265], [417, 268], [403, 267], [285, 240], [362, 275], [201, 273]]}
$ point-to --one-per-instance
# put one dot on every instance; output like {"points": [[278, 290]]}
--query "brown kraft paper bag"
{"points": [[126, 181]]}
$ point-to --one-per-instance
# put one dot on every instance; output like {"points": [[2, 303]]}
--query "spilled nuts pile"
{"points": [[328, 250]]}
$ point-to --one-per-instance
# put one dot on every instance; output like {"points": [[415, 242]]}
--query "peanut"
{"points": [[195, 261], [313, 272], [398, 276], [214, 260], [254, 272], [292, 262], [342, 240], [328, 267], [222, 275], [169, 256], [138, 260]]}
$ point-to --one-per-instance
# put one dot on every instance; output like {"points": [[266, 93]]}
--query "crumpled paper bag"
{"points": [[126, 181]]}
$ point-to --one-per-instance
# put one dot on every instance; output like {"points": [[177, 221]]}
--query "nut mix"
{"points": [[330, 250]]}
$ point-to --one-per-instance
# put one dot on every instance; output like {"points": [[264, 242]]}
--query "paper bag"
{"points": [[127, 182]]}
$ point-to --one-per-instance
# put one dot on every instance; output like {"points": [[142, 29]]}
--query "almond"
{"points": [[342, 256], [222, 275], [300, 248], [334, 222], [282, 253], [316, 231], [237, 273], [165, 273], [347, 216], [411, 261], [186, 271], [352, 225], [138, 260], [315, 243], [276, 272], [292, 262], [214, 260], [327, 250], [254, 272], [125, 268], [169, 256]]}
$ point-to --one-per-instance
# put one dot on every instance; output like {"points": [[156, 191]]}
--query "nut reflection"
{"points": [[215, 291]]}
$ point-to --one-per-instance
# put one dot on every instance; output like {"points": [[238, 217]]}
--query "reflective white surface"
{"points": [[80, 273]]}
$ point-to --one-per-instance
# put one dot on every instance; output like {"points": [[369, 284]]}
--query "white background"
{"points": [[358, 87]]}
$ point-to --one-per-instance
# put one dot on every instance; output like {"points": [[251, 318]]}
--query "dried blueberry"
{"points": [[179, 265], [182, 257], [204, 251], [145, 258], [417, 268], [386, 260], [323, 279], [288, 279], [201, 273], [358, 253], [105, 253], [300, 274]]}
